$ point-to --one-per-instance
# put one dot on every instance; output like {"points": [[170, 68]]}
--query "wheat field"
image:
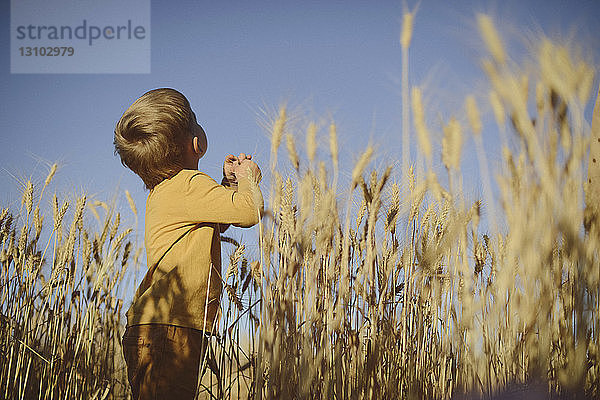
{"points": [[369, 283]]}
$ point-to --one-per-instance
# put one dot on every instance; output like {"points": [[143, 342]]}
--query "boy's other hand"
{"points": [[229, 167]]}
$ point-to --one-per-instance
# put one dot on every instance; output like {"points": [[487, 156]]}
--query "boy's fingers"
{"points": [[243, 156]]}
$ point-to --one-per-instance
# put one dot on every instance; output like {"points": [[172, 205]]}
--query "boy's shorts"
{"points": [[163, 360]]}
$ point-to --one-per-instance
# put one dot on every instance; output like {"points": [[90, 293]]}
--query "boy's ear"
{"points": [[200, 144], [197, 148]]}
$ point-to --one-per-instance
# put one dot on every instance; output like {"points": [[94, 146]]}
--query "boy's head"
{"points": [[158, 136]]}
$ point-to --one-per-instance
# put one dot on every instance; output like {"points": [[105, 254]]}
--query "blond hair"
{"points": [[151, 135]]}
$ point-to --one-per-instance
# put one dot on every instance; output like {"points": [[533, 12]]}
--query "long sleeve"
{"points": [[207, 201]]}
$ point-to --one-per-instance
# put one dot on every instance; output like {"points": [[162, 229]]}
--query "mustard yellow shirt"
{"points": [[185, 288]]}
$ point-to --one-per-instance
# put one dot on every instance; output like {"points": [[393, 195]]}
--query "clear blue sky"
{"points": [[233, 59]]}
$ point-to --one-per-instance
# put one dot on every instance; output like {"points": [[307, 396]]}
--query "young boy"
{"points": [[175, 307]]}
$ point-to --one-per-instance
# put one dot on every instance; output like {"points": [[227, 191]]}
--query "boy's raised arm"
{"points": [[207, 201]]}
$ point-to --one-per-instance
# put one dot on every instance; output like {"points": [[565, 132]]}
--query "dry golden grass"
{"points": [[373, 289], [416, 299], [61, 300]]}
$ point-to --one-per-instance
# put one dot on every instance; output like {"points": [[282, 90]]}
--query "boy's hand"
{"points": [[248, 168], [230, 164]]}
